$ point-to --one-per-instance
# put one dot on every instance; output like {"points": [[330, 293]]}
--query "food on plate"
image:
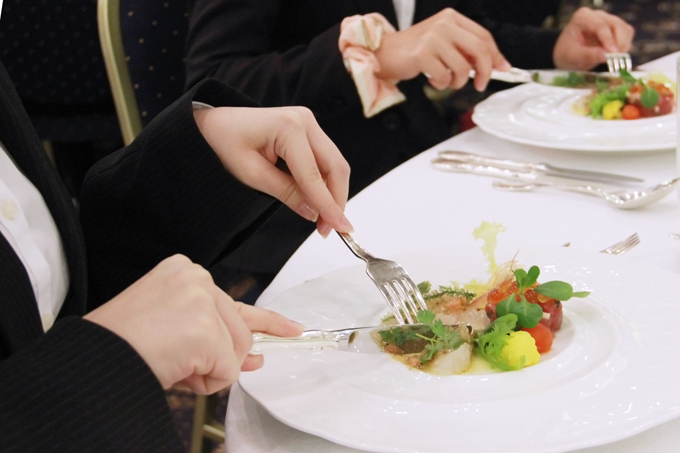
{"points": [[574, 79], [508, 325], [621, 97], [432, 347]]}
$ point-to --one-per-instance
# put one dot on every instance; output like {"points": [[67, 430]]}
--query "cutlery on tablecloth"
{"points": [[356, 339], [623, 246], [620, 199], [541, 167], [620, 247], [517, 75]]}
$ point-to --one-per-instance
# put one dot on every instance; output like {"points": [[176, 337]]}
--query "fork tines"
{"points": [[623, 246], [403, 297], [618, 61], [393, 282]]}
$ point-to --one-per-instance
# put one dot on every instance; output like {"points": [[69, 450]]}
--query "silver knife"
{"points": [[544, 168], [356, 339], [517, 75]]}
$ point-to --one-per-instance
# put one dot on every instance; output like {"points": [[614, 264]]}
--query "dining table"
{"points": [[417, 207]]}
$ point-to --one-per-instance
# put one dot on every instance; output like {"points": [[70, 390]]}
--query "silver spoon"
{"points": [[620, 199]]}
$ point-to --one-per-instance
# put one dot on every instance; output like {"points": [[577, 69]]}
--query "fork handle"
{"points": [[469, 158], [358, 250], [447, 164]]}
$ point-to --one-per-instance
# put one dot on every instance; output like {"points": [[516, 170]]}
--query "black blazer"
{"points": [[285, 52], [80, 387]]}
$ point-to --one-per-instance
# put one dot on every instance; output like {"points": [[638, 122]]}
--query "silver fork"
{"points": [[396, 286], [623, 246], [618, 61]]}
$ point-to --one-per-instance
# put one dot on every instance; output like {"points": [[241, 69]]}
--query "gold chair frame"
{"points": [[108, 22], [110, 36]]}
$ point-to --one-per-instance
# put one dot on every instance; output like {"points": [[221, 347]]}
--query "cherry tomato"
{"points": [[666, 104], [542, 336], [630, 112], [554, 309]]}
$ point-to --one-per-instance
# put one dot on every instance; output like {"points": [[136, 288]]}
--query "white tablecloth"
{"points": [[451, 206]]}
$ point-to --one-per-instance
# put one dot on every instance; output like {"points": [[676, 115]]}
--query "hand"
{"points": [[445, 47], [249, 141], [186, 329], [588, 36]]}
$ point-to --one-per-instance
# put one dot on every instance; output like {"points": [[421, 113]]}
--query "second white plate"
{"points": [[541, 115]]}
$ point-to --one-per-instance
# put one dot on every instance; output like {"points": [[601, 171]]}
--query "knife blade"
{"points": [[355, 339], [540, 167], [546, 76]]}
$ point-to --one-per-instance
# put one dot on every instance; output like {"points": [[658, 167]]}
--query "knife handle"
{"points": [[310, 340], [462, 156], [480, 169]]}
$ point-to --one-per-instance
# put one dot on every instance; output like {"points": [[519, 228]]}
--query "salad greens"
{"points": [[504, 344], [425, 289], [491, 342], [445, 337], [605, 96], [528, 314], [648, 98], [432, 337], [572, 79]]}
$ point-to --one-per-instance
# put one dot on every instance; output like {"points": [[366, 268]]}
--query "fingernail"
{"points": [[324, 230], [308, 213], [346, 226]]}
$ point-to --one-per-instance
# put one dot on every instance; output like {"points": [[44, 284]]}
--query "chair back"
{"points": [[143, 45], [51, 52]]}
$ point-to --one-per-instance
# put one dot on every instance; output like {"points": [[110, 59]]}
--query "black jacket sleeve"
{"points": [[164, 194], [286, 53], [265, 49], [81, 388]]}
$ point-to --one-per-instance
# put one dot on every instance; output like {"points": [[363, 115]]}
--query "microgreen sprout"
{"points": [[445, 337], [528, 314]]}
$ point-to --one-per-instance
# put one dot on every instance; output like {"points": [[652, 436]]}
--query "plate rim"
{"points": [[647, 424], [484, 126]]}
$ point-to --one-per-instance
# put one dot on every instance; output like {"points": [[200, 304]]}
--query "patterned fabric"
{"points": [[154, 34], [360, 37], [51, 51]]}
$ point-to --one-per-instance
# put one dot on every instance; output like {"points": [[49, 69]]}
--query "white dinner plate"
{"points": [[541, 115], [614, 370]]}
